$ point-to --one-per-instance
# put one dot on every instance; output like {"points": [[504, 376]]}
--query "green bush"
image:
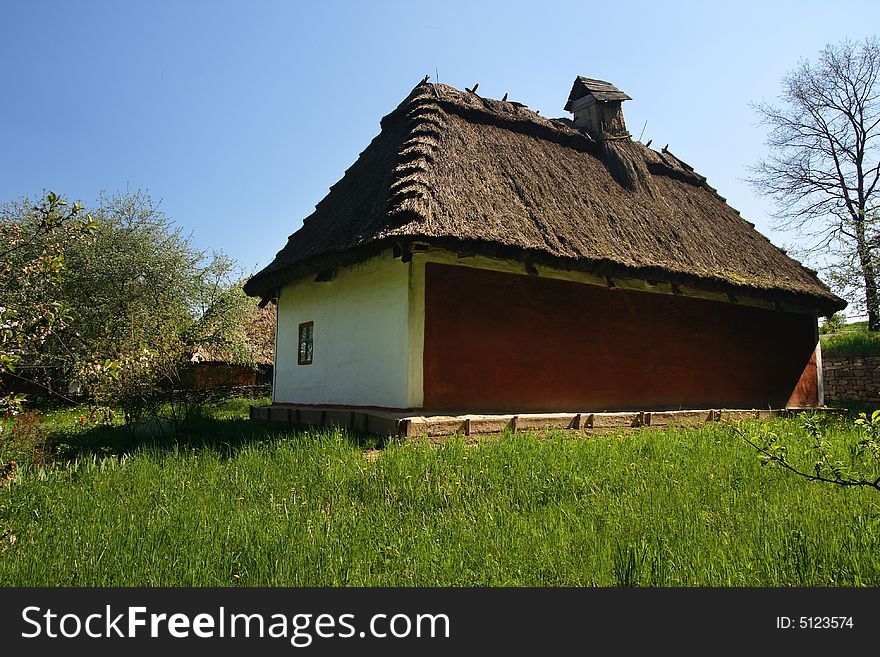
{"points": [[24, 441], [833, 324]]}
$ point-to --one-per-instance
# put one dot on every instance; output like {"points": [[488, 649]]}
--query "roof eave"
{"points": [[267, 284]]}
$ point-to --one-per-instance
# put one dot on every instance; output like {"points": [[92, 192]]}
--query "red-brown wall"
{"points": [[504, 342], [204, 376]]}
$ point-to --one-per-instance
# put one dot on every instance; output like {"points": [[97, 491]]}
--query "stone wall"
{"points": [[852, 378]]}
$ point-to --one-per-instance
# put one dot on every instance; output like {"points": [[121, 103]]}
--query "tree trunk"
{"points": [[871, 300], [869, 273]]}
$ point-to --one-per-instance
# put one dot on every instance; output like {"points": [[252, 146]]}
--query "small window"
{"points": [[305, 343]]}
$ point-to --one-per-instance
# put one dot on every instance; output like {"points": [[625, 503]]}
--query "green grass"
{"points": [[252, 505], [854, 339]]}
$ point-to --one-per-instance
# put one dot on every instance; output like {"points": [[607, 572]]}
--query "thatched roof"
{"points": [[484, 176]]}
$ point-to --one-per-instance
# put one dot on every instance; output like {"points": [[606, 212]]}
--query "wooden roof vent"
{"points": [[596, 108]]}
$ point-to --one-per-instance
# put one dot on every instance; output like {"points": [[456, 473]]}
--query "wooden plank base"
{"points": [[407, 425]]}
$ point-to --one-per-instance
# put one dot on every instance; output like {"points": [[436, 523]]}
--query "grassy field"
{"points": [[242, 504], [852, 339]]}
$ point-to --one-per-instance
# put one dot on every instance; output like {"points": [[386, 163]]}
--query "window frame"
{"points": [[300, 360]]}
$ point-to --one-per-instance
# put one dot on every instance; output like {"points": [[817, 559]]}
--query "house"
{"points": [[480, 258]]}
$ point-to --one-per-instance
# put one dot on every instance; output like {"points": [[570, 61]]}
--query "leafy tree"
{"points": [[136, 301], [833, 324], [36, 237], [234, 329], [823, 166], [135, 284], [143, 300]]}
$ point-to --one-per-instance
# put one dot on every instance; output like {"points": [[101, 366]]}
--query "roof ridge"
{"points": [[518, 118], [503, 114], [417, 153]]}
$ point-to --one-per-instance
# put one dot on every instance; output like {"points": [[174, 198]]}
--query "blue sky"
{"points": [[240, 115]]}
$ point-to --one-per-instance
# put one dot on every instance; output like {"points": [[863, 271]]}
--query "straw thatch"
{"points": [[484, 176]]}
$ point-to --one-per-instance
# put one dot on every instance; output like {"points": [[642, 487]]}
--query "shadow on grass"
{"points": [[226, 437], [855, 407]]}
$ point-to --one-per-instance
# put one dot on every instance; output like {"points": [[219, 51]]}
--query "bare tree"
{"points": [[822, 169]]}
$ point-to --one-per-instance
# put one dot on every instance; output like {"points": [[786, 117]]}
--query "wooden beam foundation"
{"points": [[408, 425]]}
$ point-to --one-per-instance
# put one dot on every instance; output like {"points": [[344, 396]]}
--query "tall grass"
{"points": [[663, 508], [854, 339]]}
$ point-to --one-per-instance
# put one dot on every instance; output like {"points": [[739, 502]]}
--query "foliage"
{"points": [[856, 463], [833, 324], [137, 302], [231, 327], [24, 441], [823, 168], [36, 237], [676, 507], [131, 381], [853, 339], [135, 285]]}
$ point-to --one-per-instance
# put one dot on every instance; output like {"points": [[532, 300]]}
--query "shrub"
{"points": [[26, 441], [833, 324]]}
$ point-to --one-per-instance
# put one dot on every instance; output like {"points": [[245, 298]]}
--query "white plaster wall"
{"points": [[361, 337]]}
